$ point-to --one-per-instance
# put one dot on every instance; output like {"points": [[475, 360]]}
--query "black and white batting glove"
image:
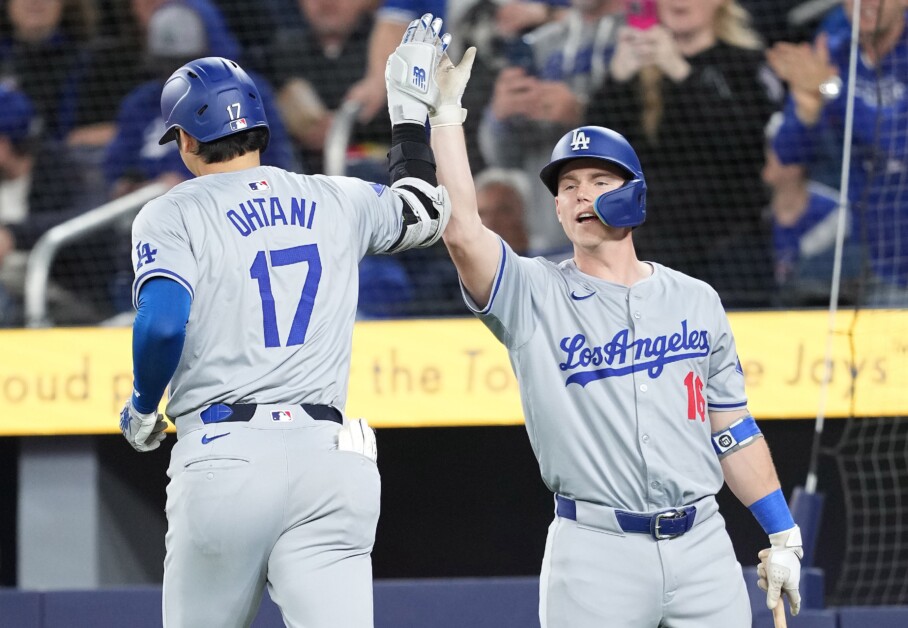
{"points": [[143, 431], [779, 571], [410, 71], [452, 81]]}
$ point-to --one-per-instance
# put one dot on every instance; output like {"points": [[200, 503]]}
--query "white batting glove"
{"points": [[779, 571], [143, 431], [452, 81], [410, 71], [357, 436]]}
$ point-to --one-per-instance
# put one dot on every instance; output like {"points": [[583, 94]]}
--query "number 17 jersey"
{"points": [[270, 260]]}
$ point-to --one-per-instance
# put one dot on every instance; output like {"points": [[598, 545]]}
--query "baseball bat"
{"points": [[778, 615]]}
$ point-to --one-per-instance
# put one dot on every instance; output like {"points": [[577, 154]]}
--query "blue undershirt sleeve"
{"points": [[158, 334]]}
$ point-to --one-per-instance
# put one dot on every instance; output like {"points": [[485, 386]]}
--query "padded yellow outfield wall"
{"points": [[453, 372]]}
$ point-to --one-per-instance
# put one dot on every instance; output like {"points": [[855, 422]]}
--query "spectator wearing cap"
{"points": [[177, 33], [41, 187], [119, 64]]}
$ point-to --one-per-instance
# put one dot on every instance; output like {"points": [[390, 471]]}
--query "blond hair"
{"points": [[732, 26]]}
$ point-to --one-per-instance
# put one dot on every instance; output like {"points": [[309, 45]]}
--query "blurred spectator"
{"points": [[879, 157], [543, 93], [385, 289], [789, 20], [391, 21], [176, 33], [313, 67], [514, 18], [41, 187], [254, 24], [693, 95], [502, 196], [804, 226], [120, 63], [43, 53], [492, 27]]}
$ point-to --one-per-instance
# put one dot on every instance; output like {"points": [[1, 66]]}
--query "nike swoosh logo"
{"points": [[577, 297], [207, 439]]}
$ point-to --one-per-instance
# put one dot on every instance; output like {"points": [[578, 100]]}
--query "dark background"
{"points": [[469, 501]]}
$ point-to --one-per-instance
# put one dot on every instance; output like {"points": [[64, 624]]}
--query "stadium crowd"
{"points": [[736, 112]]}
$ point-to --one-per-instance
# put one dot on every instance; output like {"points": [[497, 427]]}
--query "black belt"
{"points": [[666, 524], [241, 412]]}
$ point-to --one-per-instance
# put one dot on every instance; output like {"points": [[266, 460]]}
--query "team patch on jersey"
{"points": [[259, 185], [378, 188], [282, 416], [145, 254], [238, 125], [622, 356]]}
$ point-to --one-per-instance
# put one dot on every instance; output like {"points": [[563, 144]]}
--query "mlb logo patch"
{"points": [[259, 185], [237, 125], [282, 416]]}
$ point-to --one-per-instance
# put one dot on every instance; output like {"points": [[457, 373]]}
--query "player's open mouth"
{"points": [[586, 217]]}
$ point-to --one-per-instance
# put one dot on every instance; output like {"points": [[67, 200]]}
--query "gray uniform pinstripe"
{"points": [[270, 259], [608, 379]]}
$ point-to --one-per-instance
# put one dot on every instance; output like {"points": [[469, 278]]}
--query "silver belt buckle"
{"points": [[668, 514]]}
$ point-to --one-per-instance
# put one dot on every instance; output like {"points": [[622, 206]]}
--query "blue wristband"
{"points": [[772, 513]]}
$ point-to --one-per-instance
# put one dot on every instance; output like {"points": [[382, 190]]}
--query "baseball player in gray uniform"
{"points": [[632, 392], [245, 288]]}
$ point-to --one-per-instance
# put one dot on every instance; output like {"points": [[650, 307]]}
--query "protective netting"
{"points": [[81, 81], [872, 454], [872, 461]]}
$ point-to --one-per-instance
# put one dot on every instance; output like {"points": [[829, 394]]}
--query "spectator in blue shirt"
{"points": [[177, 32], [43, 53], [879, 158], [805, 222]]}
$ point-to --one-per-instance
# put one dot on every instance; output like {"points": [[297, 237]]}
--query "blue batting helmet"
{"points": [[623, 207], [210, 98]]}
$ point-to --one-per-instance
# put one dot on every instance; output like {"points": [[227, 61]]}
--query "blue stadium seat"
{"points": [[873, 616], [136, 607], [477, 603], [269, 615], [20, 609]]}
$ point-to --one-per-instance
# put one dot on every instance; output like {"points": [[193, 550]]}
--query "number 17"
{"points": [[285, 257]]}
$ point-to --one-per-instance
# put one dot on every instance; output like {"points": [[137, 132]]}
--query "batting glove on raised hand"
{"points": [[452, 81], [143, 431], [410, 71], [779, 570], [356, 435]]}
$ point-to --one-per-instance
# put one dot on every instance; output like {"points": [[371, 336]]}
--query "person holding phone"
{"points": [[542, 93], [690, 89]]}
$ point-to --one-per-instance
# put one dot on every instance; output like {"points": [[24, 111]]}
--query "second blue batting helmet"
{"points": [[623, 207], [210, 98]]}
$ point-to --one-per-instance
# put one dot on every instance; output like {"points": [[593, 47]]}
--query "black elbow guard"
{"points": [[410, 155]]}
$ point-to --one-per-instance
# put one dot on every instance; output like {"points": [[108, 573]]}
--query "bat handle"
{"points": [[778, 615]]}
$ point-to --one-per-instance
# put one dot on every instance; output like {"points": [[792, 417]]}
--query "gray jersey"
{"points": [[270, 259], [638, 368]]}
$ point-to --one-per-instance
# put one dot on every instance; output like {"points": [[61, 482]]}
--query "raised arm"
{"points": [[474, 249]]}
